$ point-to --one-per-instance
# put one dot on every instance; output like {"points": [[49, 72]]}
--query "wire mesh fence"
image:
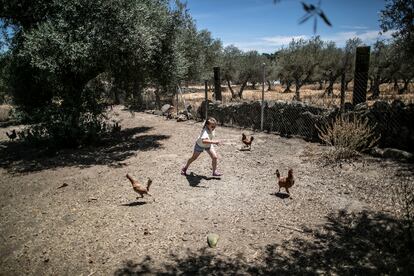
{"points": [[390, 113]]}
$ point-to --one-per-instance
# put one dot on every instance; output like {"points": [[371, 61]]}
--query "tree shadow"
{"points": [[111, 151], [195, 179], [348, 244]]}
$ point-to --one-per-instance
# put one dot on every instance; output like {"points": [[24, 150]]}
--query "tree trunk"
{"points": [[297, 92], [346, 84], [405, 87], [375, 89], [329, 89], [371, 84], [343, 89], [157, 98], [233, 95], [320, 84], [396, 87], [269, 88], [241, 89], [116, 95], [254, 85], [138, 99], [288, 85]]}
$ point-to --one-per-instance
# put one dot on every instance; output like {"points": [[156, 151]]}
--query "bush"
{"points": [[65, 125], [403, 202], [348, 136], [5, 112]]}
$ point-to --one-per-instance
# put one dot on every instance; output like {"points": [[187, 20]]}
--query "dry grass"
{"points": [[403, 200], [348, 136], [309, 94], [4, 112]]}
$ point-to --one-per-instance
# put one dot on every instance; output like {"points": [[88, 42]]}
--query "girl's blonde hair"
{"points": [[210, 121]]}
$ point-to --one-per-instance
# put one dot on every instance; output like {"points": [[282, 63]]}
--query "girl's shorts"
{"points": [[197, 148]]}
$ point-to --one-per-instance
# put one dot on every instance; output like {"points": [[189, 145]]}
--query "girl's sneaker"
{"points": [[184, 171], [217, 173]]}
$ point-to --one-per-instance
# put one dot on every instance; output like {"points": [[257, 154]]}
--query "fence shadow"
{"points": [[348, 244], [21, 157]]}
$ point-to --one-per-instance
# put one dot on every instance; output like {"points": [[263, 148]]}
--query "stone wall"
{"points": [[394, 122]]}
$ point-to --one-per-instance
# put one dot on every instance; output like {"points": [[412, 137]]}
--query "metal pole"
{"points": [[177, 103], [262, 117], [206, 97], [217, 85]]}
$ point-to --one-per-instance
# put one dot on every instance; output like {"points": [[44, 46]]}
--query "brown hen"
{"points": [[139, 188], [285, 182], [246, 141]]}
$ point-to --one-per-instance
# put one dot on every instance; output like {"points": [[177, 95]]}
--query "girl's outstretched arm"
{"points": [[212, 142]]}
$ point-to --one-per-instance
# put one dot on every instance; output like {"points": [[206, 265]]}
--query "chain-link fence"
{"points": [[391, 116], [306, 110]]}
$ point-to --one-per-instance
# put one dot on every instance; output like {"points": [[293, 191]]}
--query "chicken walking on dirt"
{"points": [[247, 142], [12, 135], [139, 188], [285, 182]]}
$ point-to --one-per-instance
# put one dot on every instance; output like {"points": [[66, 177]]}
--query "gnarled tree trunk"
{"points": [[241, 89], [288, 85], [269, 88], [405, 87], [233, 94]]}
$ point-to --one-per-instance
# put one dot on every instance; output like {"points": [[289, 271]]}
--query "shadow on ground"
{"points": [[195, 179], [135, 203], [281, 195], [348, 244], [22, 157]]}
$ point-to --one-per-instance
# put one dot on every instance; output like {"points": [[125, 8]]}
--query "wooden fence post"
{"points": [[206, 97], [361, 75], [217, 85]]}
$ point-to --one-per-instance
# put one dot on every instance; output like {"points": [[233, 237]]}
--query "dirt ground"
{"points": [[76, 214]]}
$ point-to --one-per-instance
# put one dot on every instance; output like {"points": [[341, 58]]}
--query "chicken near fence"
{"points": [[247, 142]]}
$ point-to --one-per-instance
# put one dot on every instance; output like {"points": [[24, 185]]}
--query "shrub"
{"points": [[403, 202], [348, 136], [4, 112]]}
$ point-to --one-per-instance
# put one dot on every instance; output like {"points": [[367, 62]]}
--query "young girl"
{"points": [[205, 142]]}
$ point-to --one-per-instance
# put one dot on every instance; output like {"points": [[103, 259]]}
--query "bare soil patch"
{"points": [[75, 213]]}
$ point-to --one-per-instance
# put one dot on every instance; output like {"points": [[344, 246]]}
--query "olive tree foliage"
{"points": [[271, 69], [338, 63], [390, 63], [299, 61], [330, 66], [403, 66], [283, 59], [398, 15], [170, 65], [230, 67], [251, 69], [348, 60], [380, 69], [4, 76], [60, 47], [201, 51], [240, 68]]}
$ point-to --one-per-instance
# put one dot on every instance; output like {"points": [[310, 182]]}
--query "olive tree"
{"points": [[60, 47], [300, 60]]}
